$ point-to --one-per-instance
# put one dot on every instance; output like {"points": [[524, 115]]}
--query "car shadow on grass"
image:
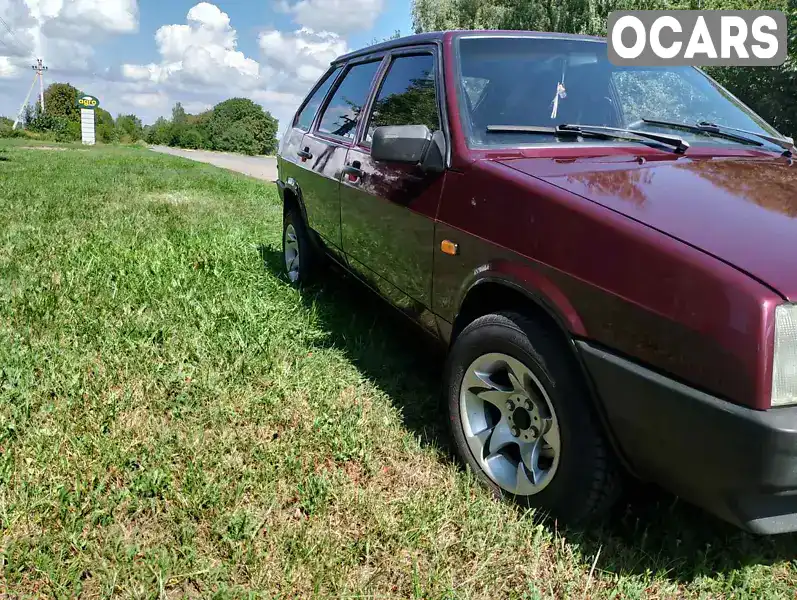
{"points": [[650, 532]]}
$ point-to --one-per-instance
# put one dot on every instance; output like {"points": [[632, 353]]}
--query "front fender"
{"points": [[529, 282]]}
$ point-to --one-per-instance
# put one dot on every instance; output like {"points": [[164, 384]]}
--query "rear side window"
{"points": [[343, 111], [407, 95], [305, 118]]}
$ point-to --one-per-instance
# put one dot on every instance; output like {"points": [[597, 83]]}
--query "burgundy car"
{"points": [[609, 254]]}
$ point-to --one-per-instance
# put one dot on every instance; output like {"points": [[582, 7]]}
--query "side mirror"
{"points": [[413, 144]]}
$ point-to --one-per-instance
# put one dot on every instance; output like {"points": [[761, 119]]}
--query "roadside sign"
{"points": [[88, 102], [87, 105]]}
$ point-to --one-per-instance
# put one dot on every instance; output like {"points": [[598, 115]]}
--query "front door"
{"points": [[323, 151], [388, 209]]}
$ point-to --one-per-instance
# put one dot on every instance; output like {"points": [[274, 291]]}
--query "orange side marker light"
{"points": [[449, 247]]}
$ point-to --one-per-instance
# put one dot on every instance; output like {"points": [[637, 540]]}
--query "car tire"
{"points": [[299, 255], [541, 423]]}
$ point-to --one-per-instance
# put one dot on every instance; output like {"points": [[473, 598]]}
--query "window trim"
{"points": [[346, 69], [330, 73], [407, 51], [437, 47], [462, 106]]}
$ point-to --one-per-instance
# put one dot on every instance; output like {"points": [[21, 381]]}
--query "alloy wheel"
{"points": [[509, 424], [291, 252]]}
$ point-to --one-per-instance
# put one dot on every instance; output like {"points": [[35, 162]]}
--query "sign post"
{"points": [[87, 104]]}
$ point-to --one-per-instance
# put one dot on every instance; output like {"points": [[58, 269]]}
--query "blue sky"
{"points": [[142, 56], [248, 17]]}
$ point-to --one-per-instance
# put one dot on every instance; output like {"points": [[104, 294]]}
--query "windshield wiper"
{"points": [[572, 130], [786, 143], [729, 133]]}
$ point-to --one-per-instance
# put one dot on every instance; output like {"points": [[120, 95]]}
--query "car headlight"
{"points": [[784, 362]]}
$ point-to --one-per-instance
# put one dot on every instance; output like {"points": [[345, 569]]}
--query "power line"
{"points": [[14, 35]]}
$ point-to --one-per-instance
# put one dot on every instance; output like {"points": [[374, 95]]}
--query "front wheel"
{"points": [[521, 418]]}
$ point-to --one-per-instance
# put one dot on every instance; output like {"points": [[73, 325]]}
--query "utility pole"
{"points": [[25, 103], [40, 69]]}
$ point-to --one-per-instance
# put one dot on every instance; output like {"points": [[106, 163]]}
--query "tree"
{"points": [[238, 138], [260, 125], [201, 123], [129, 128], [190, 138], [394, 36], [60, 100], [178, 114], [102, 117], [768, 91], [29, 114], [160, 133], [107, 134]]}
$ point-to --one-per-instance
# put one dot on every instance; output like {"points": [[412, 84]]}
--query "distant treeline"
{"points": [[235, 125]]}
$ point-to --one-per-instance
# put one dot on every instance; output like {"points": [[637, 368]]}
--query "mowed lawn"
{"points": [[176, 420]]}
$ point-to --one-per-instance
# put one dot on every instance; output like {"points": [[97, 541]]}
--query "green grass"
{"points": [[178, 421]]}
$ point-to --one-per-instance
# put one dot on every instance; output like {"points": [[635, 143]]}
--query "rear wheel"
{"points": [[521, 418], [299, 254]]}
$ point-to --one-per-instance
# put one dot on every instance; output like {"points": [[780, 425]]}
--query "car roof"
{"points": [[439, 36]]}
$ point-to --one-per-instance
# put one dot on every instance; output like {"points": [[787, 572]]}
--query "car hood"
{"points": [[741, 210]]}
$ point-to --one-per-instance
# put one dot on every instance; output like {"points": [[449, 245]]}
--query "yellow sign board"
{"points": [[89, 102]]}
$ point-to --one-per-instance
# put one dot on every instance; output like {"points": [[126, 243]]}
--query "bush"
{"points": [[7, 132], [238, 138], [231, 117], [190, 138], [106, 133], [69, 133], [160, 133], [129, 128]]}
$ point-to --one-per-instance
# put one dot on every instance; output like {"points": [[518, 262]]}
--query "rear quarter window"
{"points": [[304, 119]]}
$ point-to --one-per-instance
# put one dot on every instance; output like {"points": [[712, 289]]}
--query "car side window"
{"points": [[407, 95], [342, 114], [305, 118]]}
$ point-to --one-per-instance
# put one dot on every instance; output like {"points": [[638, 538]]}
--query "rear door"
{"points": [[322, 152], [293, 169], [388, 209]]}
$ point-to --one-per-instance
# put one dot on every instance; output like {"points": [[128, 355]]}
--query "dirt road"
{"points": [[261, 167]]}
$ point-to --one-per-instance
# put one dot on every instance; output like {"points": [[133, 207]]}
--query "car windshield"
{"points": [[545, 82]]}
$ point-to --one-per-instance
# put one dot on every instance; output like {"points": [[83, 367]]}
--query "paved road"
{"points": [[261, 167]]}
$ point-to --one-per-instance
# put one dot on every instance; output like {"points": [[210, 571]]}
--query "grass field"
{"points": [[178, 421]]}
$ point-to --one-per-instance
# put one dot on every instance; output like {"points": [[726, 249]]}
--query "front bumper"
{"points": [[736, 462]]}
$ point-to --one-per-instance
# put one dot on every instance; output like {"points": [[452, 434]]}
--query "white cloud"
{"points": [[339, 16], [296, 60], [201, 52], [148, 100], [199, 61], [110, 16], [291, 63], [59, 31], [7, 68], [196, 106]]}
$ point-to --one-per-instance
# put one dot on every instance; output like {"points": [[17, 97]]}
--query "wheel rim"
{"points": [[291, 252], [509, 424]]}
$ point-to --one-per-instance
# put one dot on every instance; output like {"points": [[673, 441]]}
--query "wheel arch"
{"points": [[516, 284], [291, 195], [495, 293]]}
